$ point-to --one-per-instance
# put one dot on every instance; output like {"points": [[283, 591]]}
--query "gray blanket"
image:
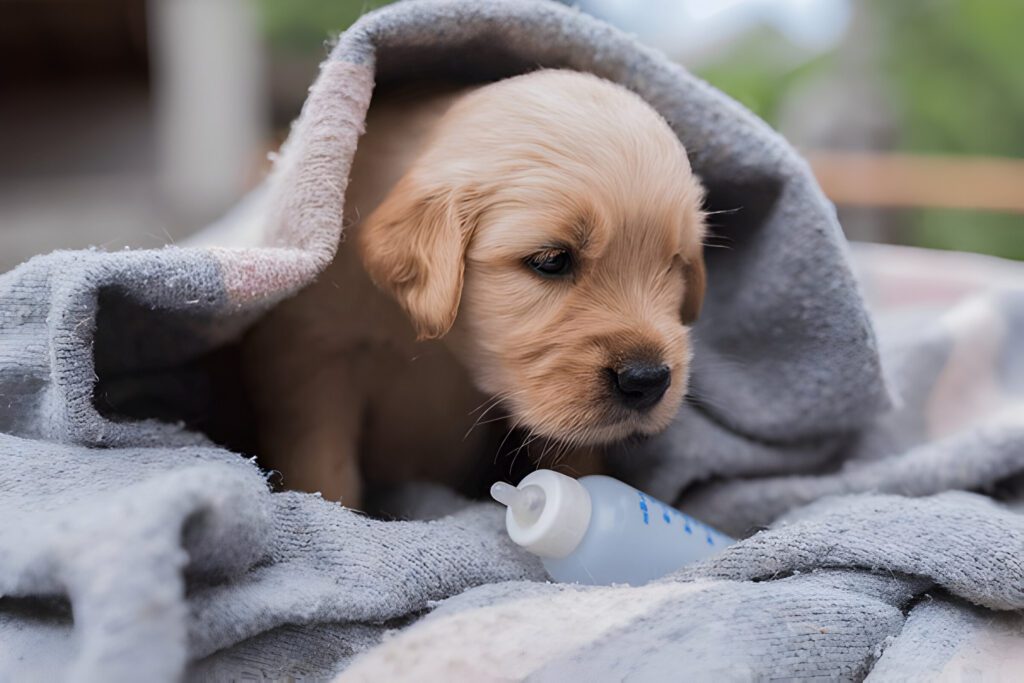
{"points": [[132, 547]]}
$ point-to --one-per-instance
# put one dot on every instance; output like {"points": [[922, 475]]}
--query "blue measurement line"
{"points": [[643, 508]]}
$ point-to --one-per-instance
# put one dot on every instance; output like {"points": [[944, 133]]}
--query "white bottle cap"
{"points": [[548, 513]]}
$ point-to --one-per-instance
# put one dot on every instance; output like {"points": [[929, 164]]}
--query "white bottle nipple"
{"points": [[548, 513], [526, 504]]}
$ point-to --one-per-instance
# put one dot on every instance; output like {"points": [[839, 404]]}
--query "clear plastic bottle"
{"points": [[598, 530]]}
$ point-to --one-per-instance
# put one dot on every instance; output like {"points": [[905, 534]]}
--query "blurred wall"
{"points": [[125, 122], [209, 101]]}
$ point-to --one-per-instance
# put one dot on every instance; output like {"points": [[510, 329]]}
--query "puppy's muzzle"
{"points": [[639, 385]]}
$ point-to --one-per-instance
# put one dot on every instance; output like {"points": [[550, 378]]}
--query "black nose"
{"points": [[640, 385]]}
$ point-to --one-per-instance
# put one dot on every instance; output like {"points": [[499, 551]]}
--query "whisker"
{"points": [[486, 401], [716, 212], [560, 453], [502, 444], [495, 401], [492, 420], [531, 437], [721, 361], [703, 401], [515, 453], [574, 443], [478, 421], [551, 444]]}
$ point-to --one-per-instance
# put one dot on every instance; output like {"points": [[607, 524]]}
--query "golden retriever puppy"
{"points": [[532, 244]]}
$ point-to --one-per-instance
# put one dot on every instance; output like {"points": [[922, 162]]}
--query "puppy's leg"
{"points": [[310, 417]]}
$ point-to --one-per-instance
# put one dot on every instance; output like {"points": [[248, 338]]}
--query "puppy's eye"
{"points": [[551, 263]]}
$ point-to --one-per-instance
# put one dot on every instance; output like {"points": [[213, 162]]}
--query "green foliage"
{"points": [[953, 71], [985, 233], [956, 70], [303, 26], [956, 67], [760, 77]]}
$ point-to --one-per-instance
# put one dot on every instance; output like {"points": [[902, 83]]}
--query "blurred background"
{"points": [[135, 122]]}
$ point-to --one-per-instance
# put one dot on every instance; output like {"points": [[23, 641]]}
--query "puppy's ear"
{"points": [[695, 279], [413, 247]]}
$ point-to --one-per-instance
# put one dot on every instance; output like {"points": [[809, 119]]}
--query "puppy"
{"points": [[531, 246]]}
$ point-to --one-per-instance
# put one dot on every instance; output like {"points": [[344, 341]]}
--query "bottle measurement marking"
{"points": [[666, 515], [686, 520]]}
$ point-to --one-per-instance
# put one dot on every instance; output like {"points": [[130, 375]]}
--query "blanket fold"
{"points": [[136, 547]]}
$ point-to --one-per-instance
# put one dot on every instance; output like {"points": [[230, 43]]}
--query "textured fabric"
{"points": [[132, 547], [820, 597]]}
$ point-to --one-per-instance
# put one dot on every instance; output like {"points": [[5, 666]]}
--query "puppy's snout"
{"points": [[639, 385]]}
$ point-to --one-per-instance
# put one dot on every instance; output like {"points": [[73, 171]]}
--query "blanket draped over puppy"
{"points": [[878, 509]]}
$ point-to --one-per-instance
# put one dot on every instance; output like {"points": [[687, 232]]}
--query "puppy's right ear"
{"points": [[413, 247]]}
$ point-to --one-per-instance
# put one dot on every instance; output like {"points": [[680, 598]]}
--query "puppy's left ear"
{"points": [[695, 282], [413, 247]]}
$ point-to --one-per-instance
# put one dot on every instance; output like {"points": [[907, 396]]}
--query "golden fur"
{"points": [[452, 197]]}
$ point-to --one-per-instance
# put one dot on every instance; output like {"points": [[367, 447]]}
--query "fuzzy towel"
{"points": [[132, 547]]}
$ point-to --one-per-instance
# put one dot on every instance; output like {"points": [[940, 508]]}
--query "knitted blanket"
{"points": [[877, 508]]}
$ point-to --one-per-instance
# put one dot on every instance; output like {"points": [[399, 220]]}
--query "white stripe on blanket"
{"points": [[510, 640]]}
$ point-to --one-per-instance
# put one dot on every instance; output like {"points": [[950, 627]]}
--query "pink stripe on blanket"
{"points": [[312, 173], [898, 277], [306, 210]]}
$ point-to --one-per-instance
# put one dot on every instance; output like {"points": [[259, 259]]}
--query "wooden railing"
{"points": [[903, 180]]}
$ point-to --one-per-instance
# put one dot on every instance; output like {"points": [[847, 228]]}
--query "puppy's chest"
{"points": [[419, 419]]}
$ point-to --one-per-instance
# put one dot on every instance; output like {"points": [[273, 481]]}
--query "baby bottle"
{"points": [[598, 530]]}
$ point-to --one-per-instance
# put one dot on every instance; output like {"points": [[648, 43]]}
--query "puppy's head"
{"points": [[551, 232]]}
